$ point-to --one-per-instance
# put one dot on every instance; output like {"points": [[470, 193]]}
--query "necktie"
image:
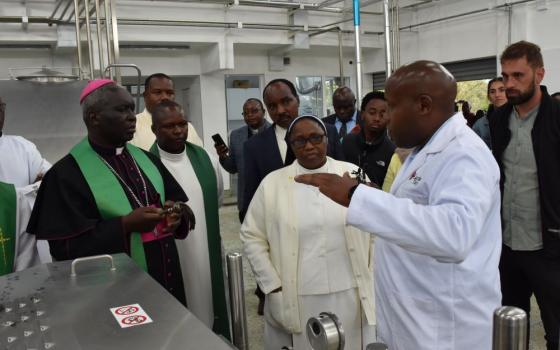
{"points": [[342, 132]]}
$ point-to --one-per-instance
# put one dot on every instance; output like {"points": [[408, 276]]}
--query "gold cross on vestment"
{"points": [[3, 240]]}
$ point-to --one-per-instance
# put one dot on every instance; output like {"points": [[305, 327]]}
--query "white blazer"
{"points": [[438, 244], [271, 243]]}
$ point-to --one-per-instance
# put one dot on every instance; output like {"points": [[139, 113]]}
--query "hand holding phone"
{"points": [[220, 146]]}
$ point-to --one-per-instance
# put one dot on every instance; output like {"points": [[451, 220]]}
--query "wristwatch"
{"points": [[351, 191]]}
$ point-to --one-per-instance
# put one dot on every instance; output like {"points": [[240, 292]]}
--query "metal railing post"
{"points": [[509, 329], [237, 301]]}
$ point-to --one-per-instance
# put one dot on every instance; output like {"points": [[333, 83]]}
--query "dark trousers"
{"points": [[524, 273]]}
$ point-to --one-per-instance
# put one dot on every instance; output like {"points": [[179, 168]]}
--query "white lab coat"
{"points": [[438, 244]]}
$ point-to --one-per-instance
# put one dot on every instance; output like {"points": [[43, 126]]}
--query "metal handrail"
{"points": [[138, 81]]}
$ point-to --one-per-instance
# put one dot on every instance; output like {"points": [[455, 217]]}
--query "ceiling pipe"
{"points": [[465, 14], [328, 3]]}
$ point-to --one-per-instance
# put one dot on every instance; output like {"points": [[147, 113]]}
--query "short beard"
{"points": [[522, 98]]}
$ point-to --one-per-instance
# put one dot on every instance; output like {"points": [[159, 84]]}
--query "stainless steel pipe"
{"points": [[115, 32], [99, 37], [340, 57], [89, 40], [108, 35], [510, 329], [237, 301], [388, 60], [78, 38], [358, 49]]}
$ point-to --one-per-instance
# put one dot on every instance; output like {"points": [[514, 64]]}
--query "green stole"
{"points": [[206, 176], [8, 212], [109, 195]]}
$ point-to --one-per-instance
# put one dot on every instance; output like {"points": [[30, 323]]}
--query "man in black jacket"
{"points": [[371, 149], [526, 143]]}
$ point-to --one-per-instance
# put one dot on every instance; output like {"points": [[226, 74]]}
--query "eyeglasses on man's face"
{"points": [[300, 142]]}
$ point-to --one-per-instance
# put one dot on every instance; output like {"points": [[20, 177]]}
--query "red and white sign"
{"points": [[127, 310], [130, 315]]}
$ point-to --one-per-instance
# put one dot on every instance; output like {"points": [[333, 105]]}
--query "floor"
{"points": [[229, 225]]}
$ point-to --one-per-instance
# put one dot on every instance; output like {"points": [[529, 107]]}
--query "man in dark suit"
{"points": [[269, 151], [346, 117], [231, 158]]}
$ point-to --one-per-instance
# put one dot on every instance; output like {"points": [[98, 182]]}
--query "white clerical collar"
{"points": [[172, 157], [119, 150]]}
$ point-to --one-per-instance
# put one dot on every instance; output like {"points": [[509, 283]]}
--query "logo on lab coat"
{"points": [[415, 179]]}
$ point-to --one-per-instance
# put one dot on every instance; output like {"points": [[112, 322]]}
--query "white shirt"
{"points": [[193, 251], [280, 139], [438, 244], [145, 138], [324, 264], [20, 161]]}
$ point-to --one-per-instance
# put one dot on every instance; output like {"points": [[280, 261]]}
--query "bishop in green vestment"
{"points": [[200, 254], [107, 196]]}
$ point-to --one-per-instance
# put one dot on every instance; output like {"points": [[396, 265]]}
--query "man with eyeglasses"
{"points": [[231, 158]]}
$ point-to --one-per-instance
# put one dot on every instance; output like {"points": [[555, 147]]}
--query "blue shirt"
{"points": [[349, 124]]}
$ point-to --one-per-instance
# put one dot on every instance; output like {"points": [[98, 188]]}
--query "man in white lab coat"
{"points": [[438, 232]]}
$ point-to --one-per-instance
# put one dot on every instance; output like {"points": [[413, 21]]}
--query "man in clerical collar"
{"points": [[232, 157], [346, 117], [109, 197], [158, 87], [200, 254]]}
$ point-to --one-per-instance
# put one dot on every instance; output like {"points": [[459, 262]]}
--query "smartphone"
{"points": [[218, 140]]}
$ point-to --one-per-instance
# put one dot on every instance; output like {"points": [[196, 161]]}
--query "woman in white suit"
{"points": [[305, 259]]}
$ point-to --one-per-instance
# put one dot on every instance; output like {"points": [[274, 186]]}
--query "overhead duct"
{"points": [[45, 75]]}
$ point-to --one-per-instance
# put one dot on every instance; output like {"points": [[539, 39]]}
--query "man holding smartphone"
{"points": [[231, 158]]}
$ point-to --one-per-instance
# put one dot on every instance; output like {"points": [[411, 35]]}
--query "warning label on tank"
{"points": [[130, 315]]}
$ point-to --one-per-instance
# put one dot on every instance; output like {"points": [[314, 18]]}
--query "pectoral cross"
{"points": [[3, 241]]}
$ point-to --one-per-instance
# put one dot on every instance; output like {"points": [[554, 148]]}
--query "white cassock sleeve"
{"points": [[29, 252], [256, 245], [37, 164], [459, 199]]}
